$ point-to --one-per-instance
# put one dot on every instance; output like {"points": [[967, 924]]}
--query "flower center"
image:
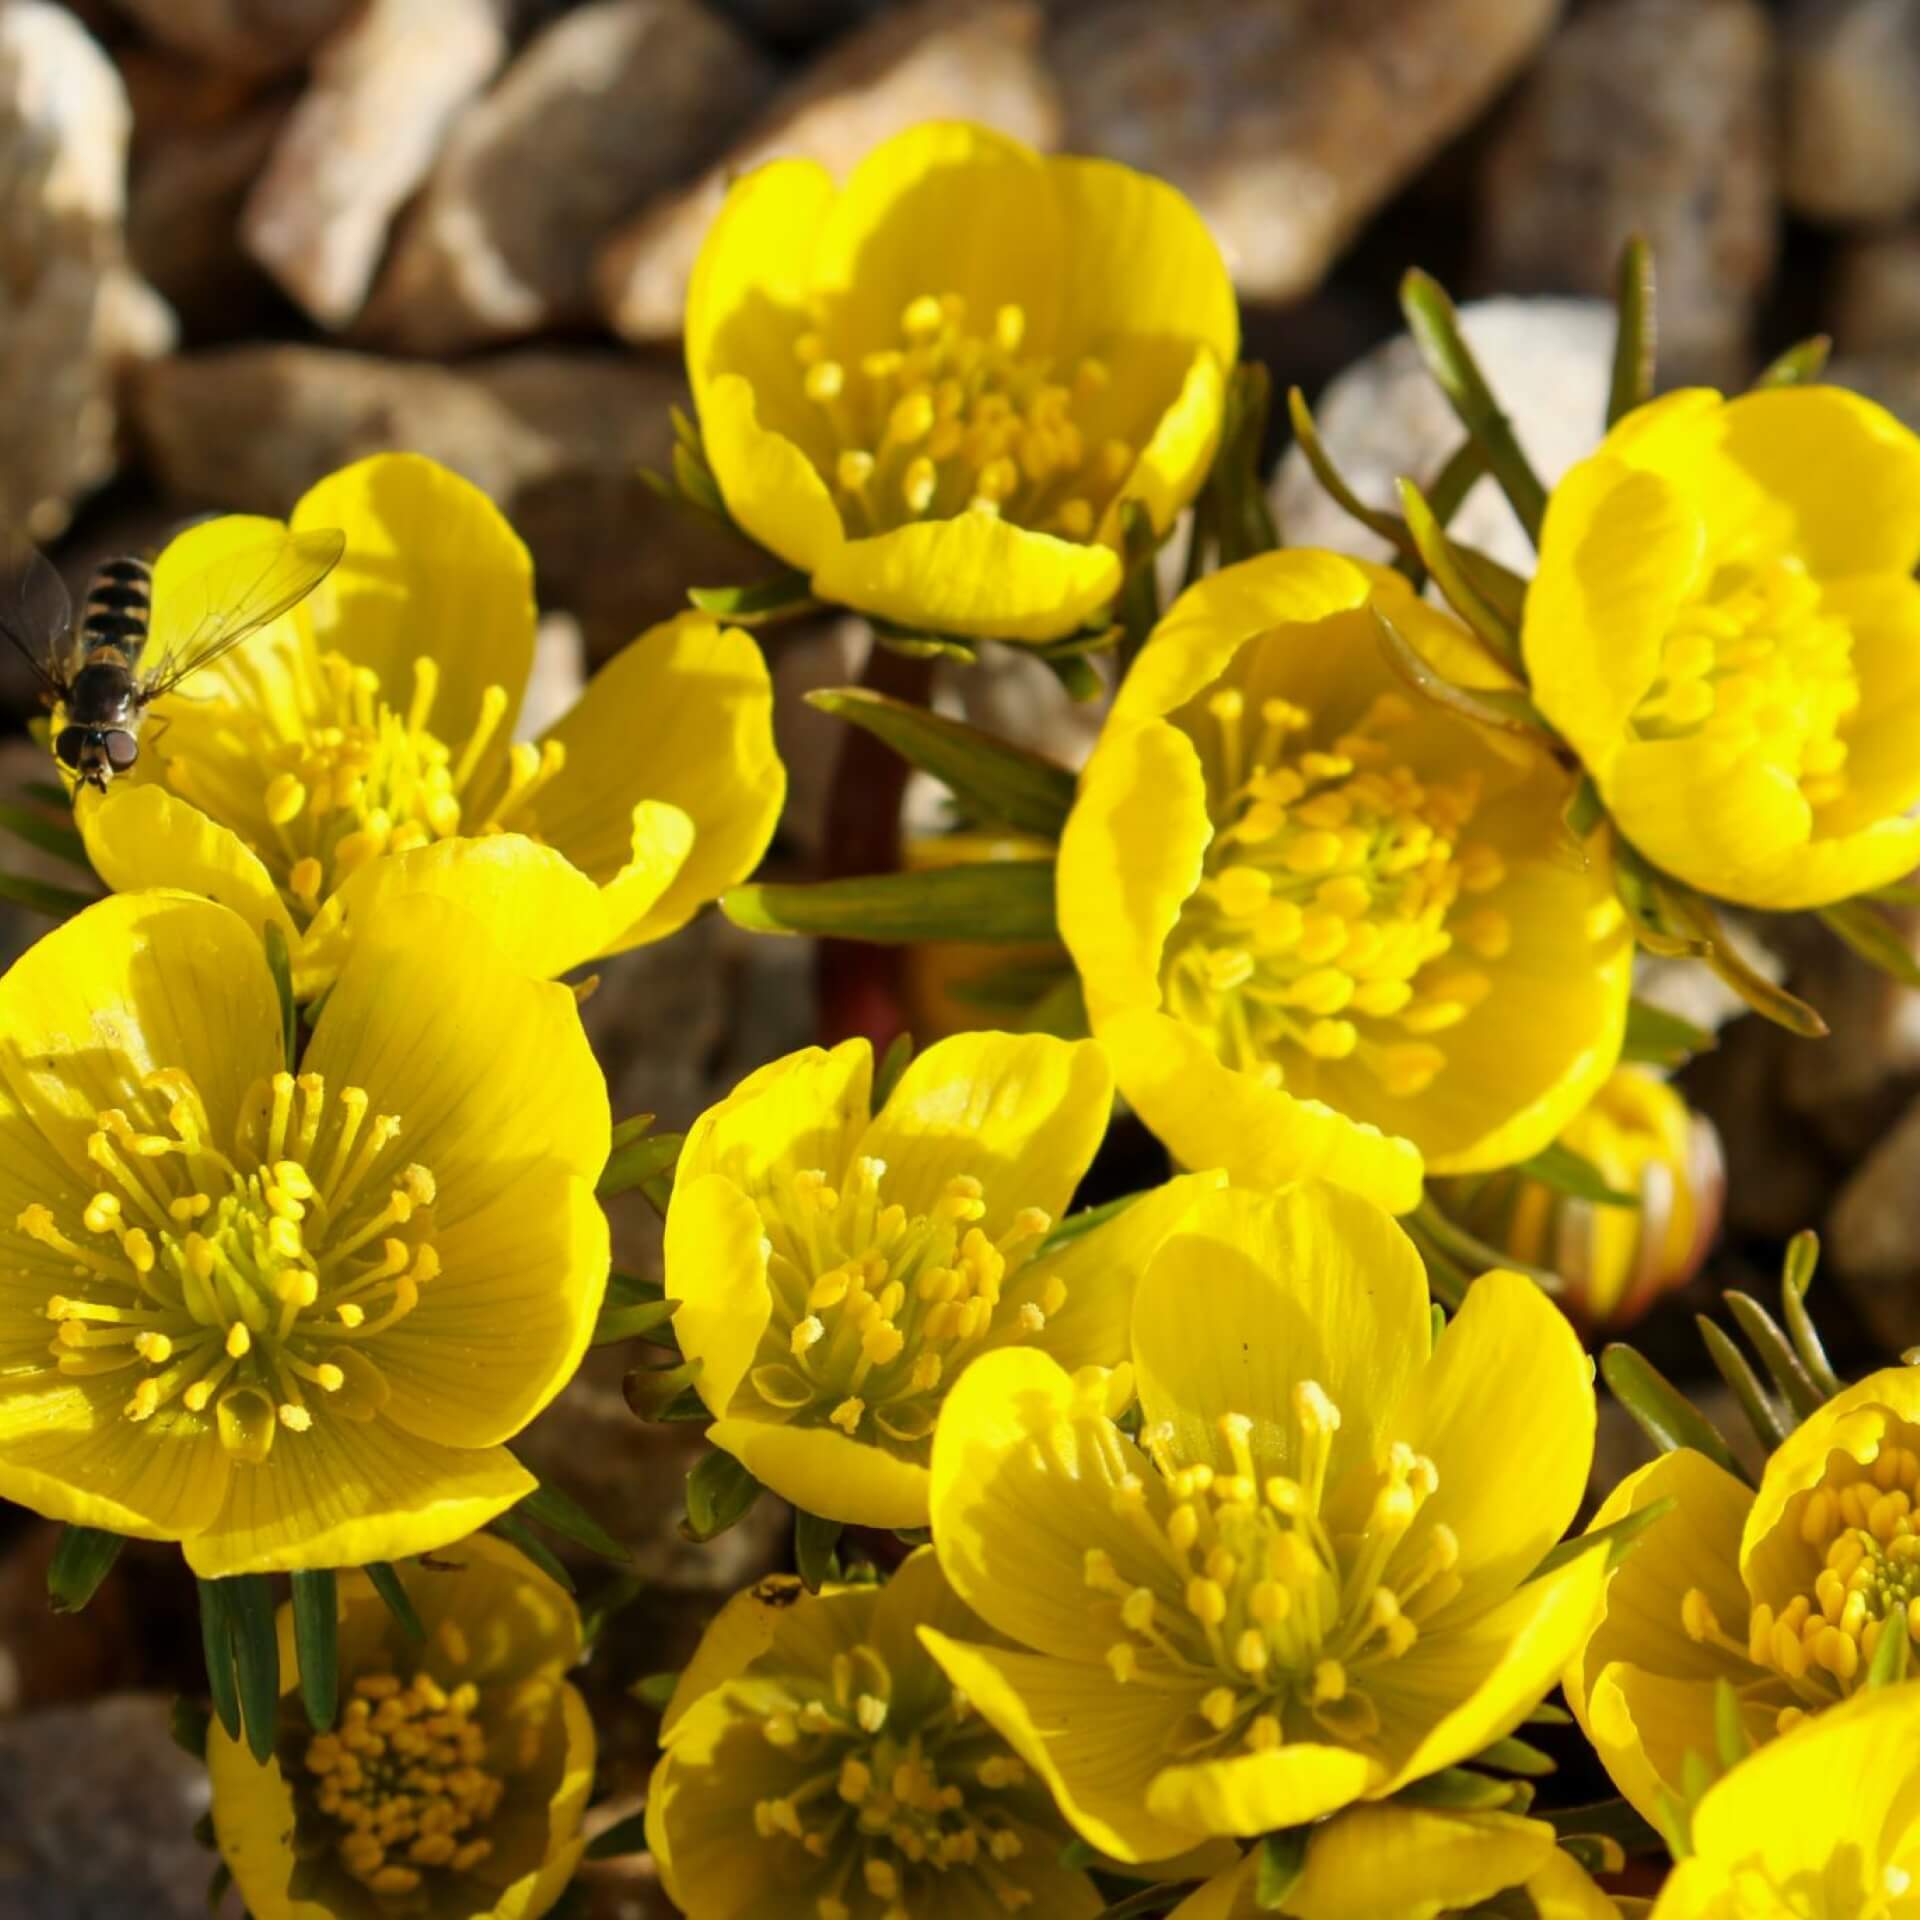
{"points": [[243, 1282], [955, 418], [1756, 663], [1249, 1592], [1332, 899], [883, 1802], [873, 1308], [1860, 1521], [404, 1778], [330, 780]]}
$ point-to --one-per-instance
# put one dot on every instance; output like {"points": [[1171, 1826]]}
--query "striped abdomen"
{"points": [[117, 608]]}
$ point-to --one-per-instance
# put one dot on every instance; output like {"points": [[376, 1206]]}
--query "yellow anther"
{"points": [[911, 419], [918, 483], [807, 1333], [847, 1415], [1206, 1601], [1123, 1659], [1331, 1039], [239, 1341], [285, 797], [1314, 852], [1009, 329], [922, 318], [1251, 1653], [1409, 1070], [1219, 1708], [853, 469], [1329, 1682], [824, 381]]}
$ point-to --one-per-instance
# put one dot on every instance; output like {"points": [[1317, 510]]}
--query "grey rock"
{"points": [[607, 108], [935, 60], [1285, 124], [1873, 1236], [557, 438], [70, 309], [1852, 73], [1549, 362], [1875, 298], [1891, 376], [248, 36], [97, 1807], [386, 88], [1653, 117]]}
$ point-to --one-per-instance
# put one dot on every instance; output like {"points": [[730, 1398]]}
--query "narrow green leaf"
{"points": [[55, 837], [655, 1690], [1796, 1276], [316, 1640], [1507, 711], [759, 604], [1448, 489], [893, 1062], [1874, 938], [926, 646], [1435, 326], [696, 484], [1565, 1171], [516, 1533], [50, 793], [1389, 526], [1731, 1364], [1014, 988], [552, 1509], [610, 1599], [1149, 1901], [1489, 627], [1633, 345], [1892, 1656], [1799, 366], [636, 1322], [636, 1126], [1687, 910], [1472, 1253], [1137, 605], [654, 1392], [1242, 515], [1459, 1788], [1007, 903], [387, 1584], [1584, 809], [219, 1884], [1662, 1039], [1546, 1714], [1436, 1321], [216, 1643], [256, 1658], [720, 1494], [40, 896], [1595, 1854], [992, 778], [83, 1558], [280, 965], [1283, 1859], [187, 1723], [624, 1836], [815, 1541], [1618, 1538], [1073, 1225], [1661, 1412], [1076, 674], [1791, 1380], [1611, 1820], [1730, 1736], [650, 1157], [1513, 1755]]}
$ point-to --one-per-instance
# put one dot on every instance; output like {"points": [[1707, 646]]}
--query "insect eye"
{"points": [[122, 750], [66, 747]]}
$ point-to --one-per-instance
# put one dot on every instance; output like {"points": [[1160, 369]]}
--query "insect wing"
{"points": [[210, 613], [36, 612]]}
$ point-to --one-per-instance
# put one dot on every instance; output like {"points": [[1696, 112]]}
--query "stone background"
{"points": [[245, 241]]}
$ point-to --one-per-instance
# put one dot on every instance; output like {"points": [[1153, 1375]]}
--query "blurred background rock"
{"points": [[245, 241]]}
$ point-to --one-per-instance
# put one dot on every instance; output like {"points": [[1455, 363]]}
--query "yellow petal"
{"points": [[1023, 1114], [431, 569], [1340, 1297], [143, 836], [1096, 1745], [1882, 612], [685, 716], [1774, 1561], [1209, 623], [1100, 1270], [1563, 1890], [1130, 857], [344, 1494], [1173, 464], [735, 1638], [772, 489], [1255, 1793], [1505, 1411], [527, 1621], [1644, 1725], [716, 1267], [798, 1114], [253, 1818], [1457, 1691], [820, 1470], [1211, 1116], [539, 1891], [1620, 549], [975, 575], [1023, 1475]]}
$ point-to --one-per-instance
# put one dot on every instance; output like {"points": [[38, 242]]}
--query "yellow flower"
{"points": [[288, 1320], [1642, 1138], [818, 1765], [931, 389], [1725, 626], [362, 748], [1398, 1862], [1308, 1584], [1317, 917], [1824, 1823], [838, 1273], [1784, 1594], [454, 1779]]}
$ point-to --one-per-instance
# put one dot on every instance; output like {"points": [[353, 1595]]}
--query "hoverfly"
{"points": [[101, 674]]}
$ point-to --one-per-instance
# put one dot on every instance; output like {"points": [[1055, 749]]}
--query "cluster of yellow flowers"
{"points": [[1237, 1560]]}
